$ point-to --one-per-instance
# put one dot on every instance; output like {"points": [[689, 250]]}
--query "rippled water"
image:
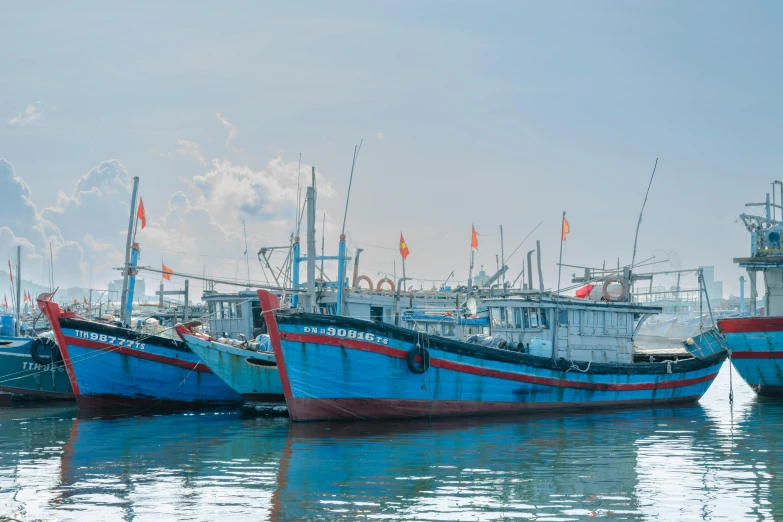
{"points": [[704, 462]]}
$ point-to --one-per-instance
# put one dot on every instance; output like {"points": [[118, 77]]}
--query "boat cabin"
{"points": [[582, 330]]}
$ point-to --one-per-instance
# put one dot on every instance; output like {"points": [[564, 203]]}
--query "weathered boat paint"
{"points": [[248, 373], [345, 368], [20, 374], [756, 345], [119, 370]]}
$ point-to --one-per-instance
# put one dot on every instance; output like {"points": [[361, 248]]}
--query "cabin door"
{"points": [[562, 333]]}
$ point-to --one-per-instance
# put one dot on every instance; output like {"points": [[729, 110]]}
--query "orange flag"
{"points": [[167, 272], [141, 214], [474, 238], [403, 247], [75, 301], [566, 228], [85, 302]]}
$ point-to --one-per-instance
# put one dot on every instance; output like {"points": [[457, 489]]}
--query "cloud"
{"points": [[232, 131], [188, 148], [380, 135], [33, 113]]}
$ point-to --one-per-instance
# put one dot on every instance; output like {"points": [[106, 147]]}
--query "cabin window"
{"points": [[211, 309], [509, 317], [495, 317], [518, 318], [562, 317], [219, 306], [376, 314], [544, 321], [533, 317], [448, 330], [258, 320], [239, 310]]}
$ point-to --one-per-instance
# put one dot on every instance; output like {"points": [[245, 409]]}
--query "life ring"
{"points": [[363, 278], [423, 364], [385, 280], [45, 351], [605, 289]]}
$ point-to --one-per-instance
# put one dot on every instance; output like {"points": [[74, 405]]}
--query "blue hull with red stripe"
{"points": [[344, 368], [756, 345], [120, 370]]}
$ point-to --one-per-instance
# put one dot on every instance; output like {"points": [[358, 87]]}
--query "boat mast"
{"points": [[311, 245], [128, 245], [18, 290]]}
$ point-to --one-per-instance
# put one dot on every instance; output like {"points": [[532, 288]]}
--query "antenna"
{"points": [[247, 262], [356, 151], [636, 237]]}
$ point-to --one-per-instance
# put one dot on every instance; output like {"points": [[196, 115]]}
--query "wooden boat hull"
{"points": [[118, 370], [20, 374], [237, 368], [343, 368], [756, 345]]}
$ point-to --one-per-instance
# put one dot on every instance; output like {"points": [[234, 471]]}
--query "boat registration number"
{"points": [[348, 334], [108, 339]]}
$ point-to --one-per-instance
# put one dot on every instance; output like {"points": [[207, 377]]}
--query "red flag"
{"points": [[24, 296], [403, 247], [10, 272], [566, 228], [474, 238], [85, 302], [167, 272], [141, 214]]}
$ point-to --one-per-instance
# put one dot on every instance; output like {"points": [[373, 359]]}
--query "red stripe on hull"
{"points": [[757, 355], [366, 409], [115, 406], [84, 343], [37, 393], [488, 372], [750, 324]]}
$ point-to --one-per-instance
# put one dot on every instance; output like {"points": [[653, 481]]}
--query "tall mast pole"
{"points": [[557, 295], [18, 290], [311, 245], [128, 245]]}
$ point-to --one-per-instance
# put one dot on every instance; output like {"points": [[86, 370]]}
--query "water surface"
{"points": [[710, 461]]}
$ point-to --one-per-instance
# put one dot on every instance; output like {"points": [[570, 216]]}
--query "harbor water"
{"points": [[711, 461]]}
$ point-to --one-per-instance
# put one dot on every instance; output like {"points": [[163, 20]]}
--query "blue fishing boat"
{"points": [[113, 369], [756, 342], [249, 368], [557, 354]]}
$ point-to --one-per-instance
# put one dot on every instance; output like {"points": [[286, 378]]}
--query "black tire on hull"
{"points": [[421, 365], [45, 351]]}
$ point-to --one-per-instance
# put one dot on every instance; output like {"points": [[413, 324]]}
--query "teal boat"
{"points": [[246, 367], [31, 367]]}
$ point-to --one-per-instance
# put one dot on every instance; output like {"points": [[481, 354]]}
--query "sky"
{"points": [[471, 113]]}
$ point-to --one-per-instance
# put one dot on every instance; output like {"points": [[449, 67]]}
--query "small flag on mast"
{"points": [[85, 302], [474, 238], [167, 272], [403, 247], [141, 214], [5, 299], [566, 228]]}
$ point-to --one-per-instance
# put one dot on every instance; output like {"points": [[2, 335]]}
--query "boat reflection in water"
{"points": [[704, 462]]}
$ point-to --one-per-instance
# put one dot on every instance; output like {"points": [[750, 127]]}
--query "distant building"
{"points": [[139, 292], [481, 278], [714, 288]]}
